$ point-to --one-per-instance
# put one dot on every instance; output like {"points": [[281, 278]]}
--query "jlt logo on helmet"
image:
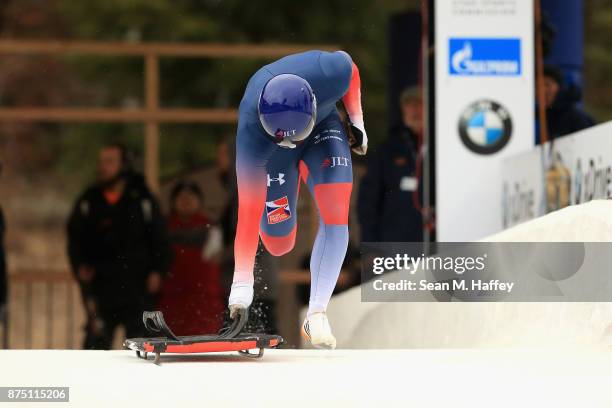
{"points": [[335, 161], [285, 133]]}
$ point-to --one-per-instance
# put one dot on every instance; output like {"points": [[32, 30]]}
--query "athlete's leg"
{"points": [[253, 152], [278, 224], [329, 177]]}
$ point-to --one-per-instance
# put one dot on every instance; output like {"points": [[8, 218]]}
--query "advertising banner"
{"points": [[572, 170], [484, 109]]}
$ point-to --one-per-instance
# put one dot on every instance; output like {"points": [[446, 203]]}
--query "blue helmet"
{"points": [[287, 108]]}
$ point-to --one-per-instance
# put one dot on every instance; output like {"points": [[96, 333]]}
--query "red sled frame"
{"points": [[229, 339]]}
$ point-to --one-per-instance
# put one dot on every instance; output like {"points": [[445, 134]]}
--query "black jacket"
{"points": [[565, 117], [3, 283], [385, 202], [123, 242]]}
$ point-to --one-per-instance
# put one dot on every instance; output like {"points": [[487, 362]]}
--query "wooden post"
{"points": [[152, 125]]}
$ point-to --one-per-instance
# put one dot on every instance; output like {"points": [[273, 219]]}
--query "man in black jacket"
{"points": [[118, 248], [386, 202], [563, 115]]}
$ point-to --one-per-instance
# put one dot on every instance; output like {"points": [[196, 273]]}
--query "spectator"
{"points": [[118, 248], [386, 202], [192, 298], [563, 116]]}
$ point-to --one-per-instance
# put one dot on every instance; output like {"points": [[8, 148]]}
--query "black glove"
{"points": [[358, 139]]}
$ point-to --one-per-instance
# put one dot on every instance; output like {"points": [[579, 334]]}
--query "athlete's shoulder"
{"points": [[337, 63], [248, 104], [334, 63], [294, 63], [337, 69], [329, 74]]}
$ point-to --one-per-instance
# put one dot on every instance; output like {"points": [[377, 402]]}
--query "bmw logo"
{"points": [[485, 127]]}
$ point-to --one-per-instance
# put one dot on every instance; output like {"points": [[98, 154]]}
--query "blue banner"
{"points": [[485, 56]]}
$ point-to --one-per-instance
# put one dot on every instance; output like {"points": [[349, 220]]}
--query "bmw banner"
{"points": [[484, 111]]}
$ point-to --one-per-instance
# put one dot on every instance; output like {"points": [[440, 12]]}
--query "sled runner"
{"points": [[228, 339]]}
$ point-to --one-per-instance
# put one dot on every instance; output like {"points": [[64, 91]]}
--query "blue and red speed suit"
{"points": [[269, 175]]}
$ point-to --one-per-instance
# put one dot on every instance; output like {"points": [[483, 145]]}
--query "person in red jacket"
{"points": [[192, 298]]}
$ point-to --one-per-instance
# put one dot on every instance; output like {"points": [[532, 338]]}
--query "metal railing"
{"points": [[44, 311]]}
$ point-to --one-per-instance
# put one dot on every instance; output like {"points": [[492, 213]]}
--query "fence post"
{"points": [[152, 125]]}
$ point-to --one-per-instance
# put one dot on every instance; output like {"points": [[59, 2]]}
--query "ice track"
{"points": [[313, 378]]}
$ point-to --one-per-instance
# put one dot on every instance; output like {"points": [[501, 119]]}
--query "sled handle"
{"points": [[154, 322], [237, 325]]}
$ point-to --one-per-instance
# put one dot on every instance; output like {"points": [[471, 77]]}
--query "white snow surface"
{"points": [[488, 325], [316, 378]]}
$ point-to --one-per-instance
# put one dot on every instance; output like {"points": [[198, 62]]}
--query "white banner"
{"points": [[484, 108], [579, 169], [523, 196]]}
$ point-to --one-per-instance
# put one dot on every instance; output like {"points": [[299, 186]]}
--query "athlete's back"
{"points": [[328, 73]]}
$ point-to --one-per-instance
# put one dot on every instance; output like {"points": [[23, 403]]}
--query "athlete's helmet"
{"points": [[287, 108]]}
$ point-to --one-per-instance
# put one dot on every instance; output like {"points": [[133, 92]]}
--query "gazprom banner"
{"points": [[578, 169], [485, 56], [484, 108]]}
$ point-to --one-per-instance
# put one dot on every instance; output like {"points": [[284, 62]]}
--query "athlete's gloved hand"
{"points": [[358, 139], [241, 296], [234, 310]]}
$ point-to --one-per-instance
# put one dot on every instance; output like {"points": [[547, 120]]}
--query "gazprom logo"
{"points": [[485, 56]]}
